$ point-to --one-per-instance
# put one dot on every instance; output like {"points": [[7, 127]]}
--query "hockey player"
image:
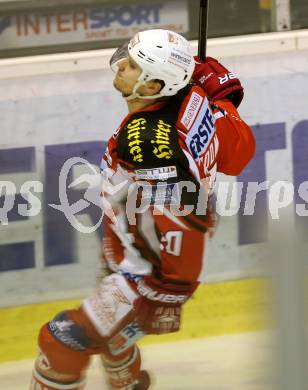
{"points": [[159, 168]]}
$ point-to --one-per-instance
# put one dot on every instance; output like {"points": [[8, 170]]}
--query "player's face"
{"points": [[127, 76]]}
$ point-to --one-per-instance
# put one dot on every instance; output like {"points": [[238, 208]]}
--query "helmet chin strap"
{"points": [[135, 95]]}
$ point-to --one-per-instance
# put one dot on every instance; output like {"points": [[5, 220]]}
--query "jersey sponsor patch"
{"points": [[161, 142], [134, 132], [202, 132], [161, 173], [192, 110]]}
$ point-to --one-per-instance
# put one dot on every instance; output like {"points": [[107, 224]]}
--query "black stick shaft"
{"points": [[203, 22]]}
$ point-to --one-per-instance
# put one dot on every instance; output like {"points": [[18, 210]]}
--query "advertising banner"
{"points": [[53, 134], [91, 24]]}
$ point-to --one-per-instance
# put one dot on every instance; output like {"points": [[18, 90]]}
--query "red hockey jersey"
{"points": [[160, 167]]}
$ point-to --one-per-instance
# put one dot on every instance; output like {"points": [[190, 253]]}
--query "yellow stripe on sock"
{"points": [[222, 308]]}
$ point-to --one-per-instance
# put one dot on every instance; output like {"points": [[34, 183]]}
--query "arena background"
{"points": [[63, 105]]}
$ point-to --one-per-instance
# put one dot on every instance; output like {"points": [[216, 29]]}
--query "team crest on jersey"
{"points": [[202, 131]]}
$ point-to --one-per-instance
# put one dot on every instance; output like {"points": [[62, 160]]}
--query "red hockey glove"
{"points": [[158, 311], [156, 317], [217, 81]]}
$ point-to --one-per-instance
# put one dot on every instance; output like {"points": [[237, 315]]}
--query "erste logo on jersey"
{"points": [[202, 131]]}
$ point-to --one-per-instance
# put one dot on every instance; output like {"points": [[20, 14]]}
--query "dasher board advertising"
{"points": [[91, 24]]}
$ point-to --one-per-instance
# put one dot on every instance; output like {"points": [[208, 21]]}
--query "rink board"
{"points": [[216, 309]]}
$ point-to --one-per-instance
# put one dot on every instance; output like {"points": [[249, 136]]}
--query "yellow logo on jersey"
{"points": [[162, 147], [133, 135]]}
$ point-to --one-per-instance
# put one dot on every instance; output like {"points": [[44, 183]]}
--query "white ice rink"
{"points": [[231, 362]]}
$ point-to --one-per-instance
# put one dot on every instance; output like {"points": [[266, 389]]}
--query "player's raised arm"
{"points": [[224, 89]]}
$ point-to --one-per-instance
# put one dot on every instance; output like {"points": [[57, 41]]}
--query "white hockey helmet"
{"points": [[162, 55]]}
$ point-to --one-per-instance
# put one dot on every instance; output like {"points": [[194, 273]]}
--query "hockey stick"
{"points": [[203, 21]]}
